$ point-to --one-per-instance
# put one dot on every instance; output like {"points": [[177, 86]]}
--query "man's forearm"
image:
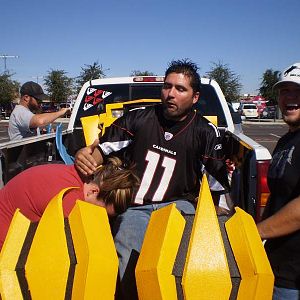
{"points": [[285, 221], [39, 120]]}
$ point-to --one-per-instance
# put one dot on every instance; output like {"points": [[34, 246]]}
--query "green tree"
{"points": [[269, 78], [58, 85], [89, 72], [228, 81], [141, 73], [8, 89]]}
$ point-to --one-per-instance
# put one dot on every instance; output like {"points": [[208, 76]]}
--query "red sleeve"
{"points": [[32, 189], [69, 200]]}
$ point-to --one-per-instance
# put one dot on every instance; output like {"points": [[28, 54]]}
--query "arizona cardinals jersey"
{"points": [[169, 156]]}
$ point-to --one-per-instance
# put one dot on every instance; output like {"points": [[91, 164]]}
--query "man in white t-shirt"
{"points": [[23, 122]]}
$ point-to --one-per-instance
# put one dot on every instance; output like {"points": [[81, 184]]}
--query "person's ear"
{"points": [[196, 97], [26, 98], [93, 189], [91, 192]]}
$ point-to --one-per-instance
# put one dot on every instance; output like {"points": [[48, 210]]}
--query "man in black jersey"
{"points": [[170, 144], [281, 225]]}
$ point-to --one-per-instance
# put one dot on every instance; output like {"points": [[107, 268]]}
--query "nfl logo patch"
{"points": [[168, 136]]}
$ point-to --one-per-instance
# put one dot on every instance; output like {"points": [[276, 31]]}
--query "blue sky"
{"points": [[250, 36]]}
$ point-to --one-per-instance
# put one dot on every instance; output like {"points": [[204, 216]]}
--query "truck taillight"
{"points": [[148, 79], [263, 191]]}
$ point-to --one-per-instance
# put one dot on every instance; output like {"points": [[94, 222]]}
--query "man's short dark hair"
{"points": [[188, 68]]}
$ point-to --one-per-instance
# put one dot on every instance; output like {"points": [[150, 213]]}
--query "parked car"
{"points": [[248, 110], [6, 110], [269, 112], [48, 107]]}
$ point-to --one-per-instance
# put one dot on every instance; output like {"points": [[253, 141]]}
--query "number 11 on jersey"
{"points": [[153, 159]]}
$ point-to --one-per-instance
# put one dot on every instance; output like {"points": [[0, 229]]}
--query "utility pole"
{"points": [[37, 77], [5, 57]]}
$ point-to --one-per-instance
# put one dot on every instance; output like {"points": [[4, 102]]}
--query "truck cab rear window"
{"points": [[209, 104], [96, 97]]}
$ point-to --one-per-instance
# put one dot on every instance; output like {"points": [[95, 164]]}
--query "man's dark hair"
{"points": [[188, 68]]}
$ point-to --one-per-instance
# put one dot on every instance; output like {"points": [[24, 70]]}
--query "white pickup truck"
{"points": [[250, 159]]}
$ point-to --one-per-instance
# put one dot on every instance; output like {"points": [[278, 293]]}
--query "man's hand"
{"points": [[65, 110], [85, 163], [221, 211]]}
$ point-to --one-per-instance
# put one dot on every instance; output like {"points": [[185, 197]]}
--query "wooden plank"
{"points": [[206, 274], [154, 268], [9, 284], [48, 261], [97, 261], [257, 278]]}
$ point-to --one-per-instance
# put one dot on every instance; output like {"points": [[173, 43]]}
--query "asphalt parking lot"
{"points": [[265, 132]]}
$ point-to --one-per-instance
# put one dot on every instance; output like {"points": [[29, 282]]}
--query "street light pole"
{"points": [[5, 57]]}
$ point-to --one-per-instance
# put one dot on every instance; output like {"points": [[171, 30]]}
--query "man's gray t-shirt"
{"points": [[19, 121]]}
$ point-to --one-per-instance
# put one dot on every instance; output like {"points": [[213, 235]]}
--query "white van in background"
{"points": [[248, 110]]}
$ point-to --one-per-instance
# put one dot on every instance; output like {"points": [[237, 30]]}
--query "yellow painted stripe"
{"points": [[9, 284], [212, 119], [206, 274], [256, 274], [97, 260], [107, 118], [48, 260], [154, 268], [90, 127]]}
